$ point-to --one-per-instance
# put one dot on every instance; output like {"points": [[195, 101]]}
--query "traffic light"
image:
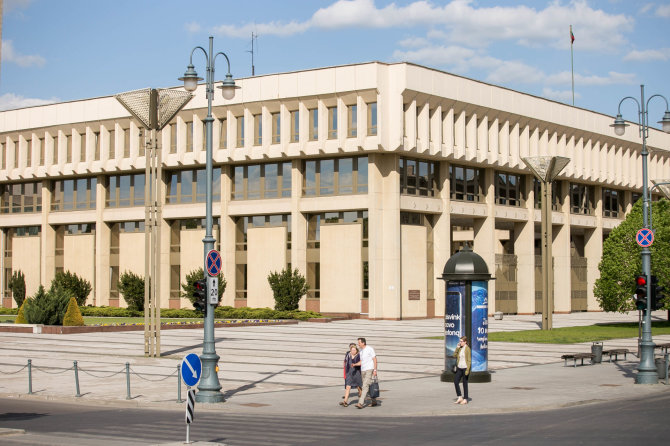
{"points": [[199, 296], [641, 292], [657, 295]]}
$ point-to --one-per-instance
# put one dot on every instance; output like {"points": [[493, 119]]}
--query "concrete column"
{"points": [[561, 252], [102, 245], [485, 234], [298, 226], [227, 237], [593, 251], [384, 236], [524, 248], [441, 239], [48, 239]]}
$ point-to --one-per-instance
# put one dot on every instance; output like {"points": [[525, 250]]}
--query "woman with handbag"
{"points": [[463, 357], [352, 373]]}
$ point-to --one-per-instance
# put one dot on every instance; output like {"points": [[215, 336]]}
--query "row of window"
{"points": [[341, 176]]}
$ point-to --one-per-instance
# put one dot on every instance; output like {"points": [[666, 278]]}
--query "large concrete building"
{"points": [[364, 177]]}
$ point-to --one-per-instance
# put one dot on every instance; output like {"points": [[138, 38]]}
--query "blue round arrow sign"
{"points": [[191, 368]]}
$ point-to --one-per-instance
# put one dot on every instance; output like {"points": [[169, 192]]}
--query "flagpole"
{"points": [[572, 65]]}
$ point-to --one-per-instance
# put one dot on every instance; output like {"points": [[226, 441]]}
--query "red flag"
{"points": [[572, 36]]}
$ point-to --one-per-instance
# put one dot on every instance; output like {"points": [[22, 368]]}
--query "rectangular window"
{"points": [[313, 124], [276, 128], [611, 203], [295, 126], [240, 131], [2, 155], [341, 176], [418, 177], [68, 148], [258, 130], [16, 154], [125, 190], [188, 186], [189, 136], [372, 119], [254, 181], [556, 195], [173, 138], [20, 198], [465, 183], [332, 122], [352, 126], [223, 134], [29, 152], [509, 189], [126, 143], [74, 194], [581, 199], [82, 147], [112, 144], [96, 144], [42, 150], [141, 143]]}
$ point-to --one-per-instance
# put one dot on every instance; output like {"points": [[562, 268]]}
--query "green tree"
{"points": [[621, 260], [73, 316], [288, 287], [17, 285], [47, 308], [131, 287], [188, 288], [79, 286]]}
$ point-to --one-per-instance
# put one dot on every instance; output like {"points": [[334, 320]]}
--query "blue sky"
{"points": [[71, 49]]}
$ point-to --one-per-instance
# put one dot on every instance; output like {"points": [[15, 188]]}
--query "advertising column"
{"points": [[479, 336], [454, 319]]}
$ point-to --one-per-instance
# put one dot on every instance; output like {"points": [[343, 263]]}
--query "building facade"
{"points": [[366, 178]]}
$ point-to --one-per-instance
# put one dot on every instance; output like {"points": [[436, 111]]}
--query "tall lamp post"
{"points": [[209, 389], [646, 369], [546, 169]]}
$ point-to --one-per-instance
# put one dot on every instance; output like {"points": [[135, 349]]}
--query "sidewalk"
{"points": [[297, 369]]}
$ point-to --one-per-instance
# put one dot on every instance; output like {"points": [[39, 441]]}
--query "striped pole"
{"points": [[190, 412]]}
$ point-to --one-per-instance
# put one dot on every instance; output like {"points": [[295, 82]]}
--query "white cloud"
{"points": [[10, 55], [646, 8], [515, 72], [559, 95], [192, 27], [455, 58], [612, 78], [465, 23], [11, 5], [647, 55], [663, 11], [10, 101], [413, 42]]}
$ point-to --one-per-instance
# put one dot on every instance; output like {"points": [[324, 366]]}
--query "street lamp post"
{"points": [[209, 389], [646, 369]]}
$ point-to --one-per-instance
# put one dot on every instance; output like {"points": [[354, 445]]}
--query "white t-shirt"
{"points": [[366, 358]]}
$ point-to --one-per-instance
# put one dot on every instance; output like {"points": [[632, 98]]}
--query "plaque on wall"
{"points": [[414, 294]]}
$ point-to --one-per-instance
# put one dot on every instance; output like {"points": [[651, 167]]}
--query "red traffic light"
{"points": [[640, 280], [199, 285]]}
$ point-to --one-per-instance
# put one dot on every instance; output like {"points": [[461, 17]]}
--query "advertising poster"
{"points": [[454, 317], [480, 329]]}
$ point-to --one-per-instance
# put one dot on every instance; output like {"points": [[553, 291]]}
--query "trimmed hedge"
{"points": [[9, 311], [224, 312]]}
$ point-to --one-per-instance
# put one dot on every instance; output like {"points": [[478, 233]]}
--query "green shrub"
{"points": [[131, 286], [21, 318], [110, 312], [47, 308], [17, 285], [180, 313], [72, 316], [188, 288], [10, 310], [288, 288], [79, 287]]}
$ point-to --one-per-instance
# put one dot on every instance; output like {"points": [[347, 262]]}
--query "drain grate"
{"points": [[523, 388], [610, 385], [254, 404]]}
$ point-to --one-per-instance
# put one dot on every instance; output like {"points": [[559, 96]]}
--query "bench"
{"points": [[616, 352], [575, 357], [665, 347]]}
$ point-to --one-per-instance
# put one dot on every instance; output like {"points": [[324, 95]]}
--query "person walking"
{"points": [[352, 373], [368, 364], [463, 357]]}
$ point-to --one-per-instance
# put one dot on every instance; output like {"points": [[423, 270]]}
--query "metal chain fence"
{"points": [[98, 374]]}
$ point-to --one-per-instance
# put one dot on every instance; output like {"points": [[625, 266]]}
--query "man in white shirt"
{"points": [[368, 365]]}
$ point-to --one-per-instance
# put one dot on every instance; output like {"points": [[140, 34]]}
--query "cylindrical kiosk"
{"points": [[466, 279]]}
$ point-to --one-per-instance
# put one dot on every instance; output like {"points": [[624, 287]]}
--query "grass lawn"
{"points": [[573, 335]]}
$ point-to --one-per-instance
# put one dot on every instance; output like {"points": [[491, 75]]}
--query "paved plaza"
{"points": [[297, 369]]}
